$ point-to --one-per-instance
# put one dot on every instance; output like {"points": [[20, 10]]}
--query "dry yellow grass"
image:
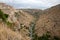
{"points": [[8, 34]]}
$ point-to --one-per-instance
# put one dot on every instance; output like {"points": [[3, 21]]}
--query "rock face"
{"points": [[50, 21]]}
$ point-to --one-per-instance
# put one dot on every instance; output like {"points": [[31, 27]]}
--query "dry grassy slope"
{"points": [[22, 18], [8, 34], [50, 21]]}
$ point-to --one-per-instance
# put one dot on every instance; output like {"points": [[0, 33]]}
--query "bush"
{"points": [[8, 23], [3, 16], [44, 37], [56, 38]]}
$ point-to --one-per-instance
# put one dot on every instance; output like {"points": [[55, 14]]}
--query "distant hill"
{"points": [[33, 12]]}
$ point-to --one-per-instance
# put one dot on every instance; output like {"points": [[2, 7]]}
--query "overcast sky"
{"points": [[37, 4]]}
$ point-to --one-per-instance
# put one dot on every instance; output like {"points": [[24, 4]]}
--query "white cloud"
{"points": [[47, 3], [35, 3], [6, 1]]}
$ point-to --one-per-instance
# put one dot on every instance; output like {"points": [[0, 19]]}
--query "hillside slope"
{"points": [[17, 22], [50, 21]]}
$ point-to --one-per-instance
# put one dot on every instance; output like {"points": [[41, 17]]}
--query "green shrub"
{"points": [[56, 38], [44, 37], [3, 16], [8, 23]]}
